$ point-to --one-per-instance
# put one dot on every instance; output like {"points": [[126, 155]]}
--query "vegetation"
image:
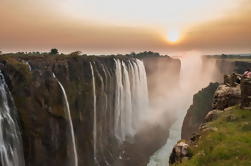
{"points": [[231, 56], [54, 51], [229, 145], [145, 54]]}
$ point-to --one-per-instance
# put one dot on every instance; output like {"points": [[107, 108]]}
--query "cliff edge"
{"points": [[224, 136]]}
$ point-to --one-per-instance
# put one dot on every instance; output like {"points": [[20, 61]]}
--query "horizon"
{"points": [[94, 27]]}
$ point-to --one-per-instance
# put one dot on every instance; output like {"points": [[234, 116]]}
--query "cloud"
{"points": [[231, 32]]}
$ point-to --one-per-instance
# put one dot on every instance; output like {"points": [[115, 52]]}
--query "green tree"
{"points": [[54, 51]]}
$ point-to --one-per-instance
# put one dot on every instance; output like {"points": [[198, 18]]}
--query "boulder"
{"points": [[212, 115], [226, 96], [180, 152], [232, 80]]}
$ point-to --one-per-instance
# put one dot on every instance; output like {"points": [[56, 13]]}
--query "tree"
{"points": [[75, 53], [54, 51]]}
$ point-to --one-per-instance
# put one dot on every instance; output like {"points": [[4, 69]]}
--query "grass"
{"points": [[230, 145]]}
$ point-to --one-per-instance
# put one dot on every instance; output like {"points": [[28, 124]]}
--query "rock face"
{"points": [[202, 104], [212, 115], [44, 125], [246, 93], [181, 151], [226, 96]]}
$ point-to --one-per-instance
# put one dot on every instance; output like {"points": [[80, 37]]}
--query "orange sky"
{"points": [[94, 27]]}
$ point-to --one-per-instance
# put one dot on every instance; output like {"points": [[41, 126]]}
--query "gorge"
{"points": [[97, 110]]}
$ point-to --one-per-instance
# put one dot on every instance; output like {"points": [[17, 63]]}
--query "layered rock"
{"points": [[202, 104], [227, 95], [44, 125]]}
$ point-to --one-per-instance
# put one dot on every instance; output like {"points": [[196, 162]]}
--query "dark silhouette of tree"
{"points": [[54, 51], [75, 53]]}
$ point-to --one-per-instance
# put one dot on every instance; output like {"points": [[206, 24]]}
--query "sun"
{"points": [[173, 36]]}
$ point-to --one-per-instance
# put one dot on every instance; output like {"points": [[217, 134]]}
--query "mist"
{"points": [[170, 103]]}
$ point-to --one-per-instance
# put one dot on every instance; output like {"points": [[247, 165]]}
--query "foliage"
{"points": [[75, 53], [145, 54], [54, 51], [229, 146]]}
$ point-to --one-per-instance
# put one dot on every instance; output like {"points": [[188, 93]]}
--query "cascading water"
{"points": [[94, 114], [131, 97], [120, 104], [28, 64], [68, 115], [11, 147]]}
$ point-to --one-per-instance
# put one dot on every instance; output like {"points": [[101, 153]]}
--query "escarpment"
{"points": [[202, 104], [222, 131], [99, 90]]}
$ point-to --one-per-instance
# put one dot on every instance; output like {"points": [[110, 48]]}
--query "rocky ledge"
{"points": [[223, 137]]}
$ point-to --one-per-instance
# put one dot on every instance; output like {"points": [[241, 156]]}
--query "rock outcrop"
{"points": [[202, 104], [246, 93], [225, 99], [226, 96], [212, 115], [180, 152]]}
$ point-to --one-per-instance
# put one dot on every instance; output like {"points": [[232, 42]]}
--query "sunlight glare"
{"points": [[173, 36]]}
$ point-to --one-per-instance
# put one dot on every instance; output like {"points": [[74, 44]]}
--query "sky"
{"points": [[109, 26]]}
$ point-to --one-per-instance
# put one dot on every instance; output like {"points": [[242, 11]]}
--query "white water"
{"points": [[192, 79], [161, 157], [131, 98], [94, 114], [68, 114], [11, 147], [28, 64]]}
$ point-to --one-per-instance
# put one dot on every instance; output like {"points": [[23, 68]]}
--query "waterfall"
{"points": [[180, 101], [28, 64], [120, 104], [68, 114], [94, 114], [11, 147], [131, 97]]}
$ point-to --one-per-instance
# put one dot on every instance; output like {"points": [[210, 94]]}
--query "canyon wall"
{"points": [[203, 100], [51, 92]]}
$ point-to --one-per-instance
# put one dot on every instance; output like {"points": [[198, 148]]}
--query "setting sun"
{"points": [[173, 36]]}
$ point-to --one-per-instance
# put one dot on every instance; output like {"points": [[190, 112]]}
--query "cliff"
{"points": [[223, 66], [202, 104], [223, 141], [207, 99], [223, 138], [41, 106]]}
